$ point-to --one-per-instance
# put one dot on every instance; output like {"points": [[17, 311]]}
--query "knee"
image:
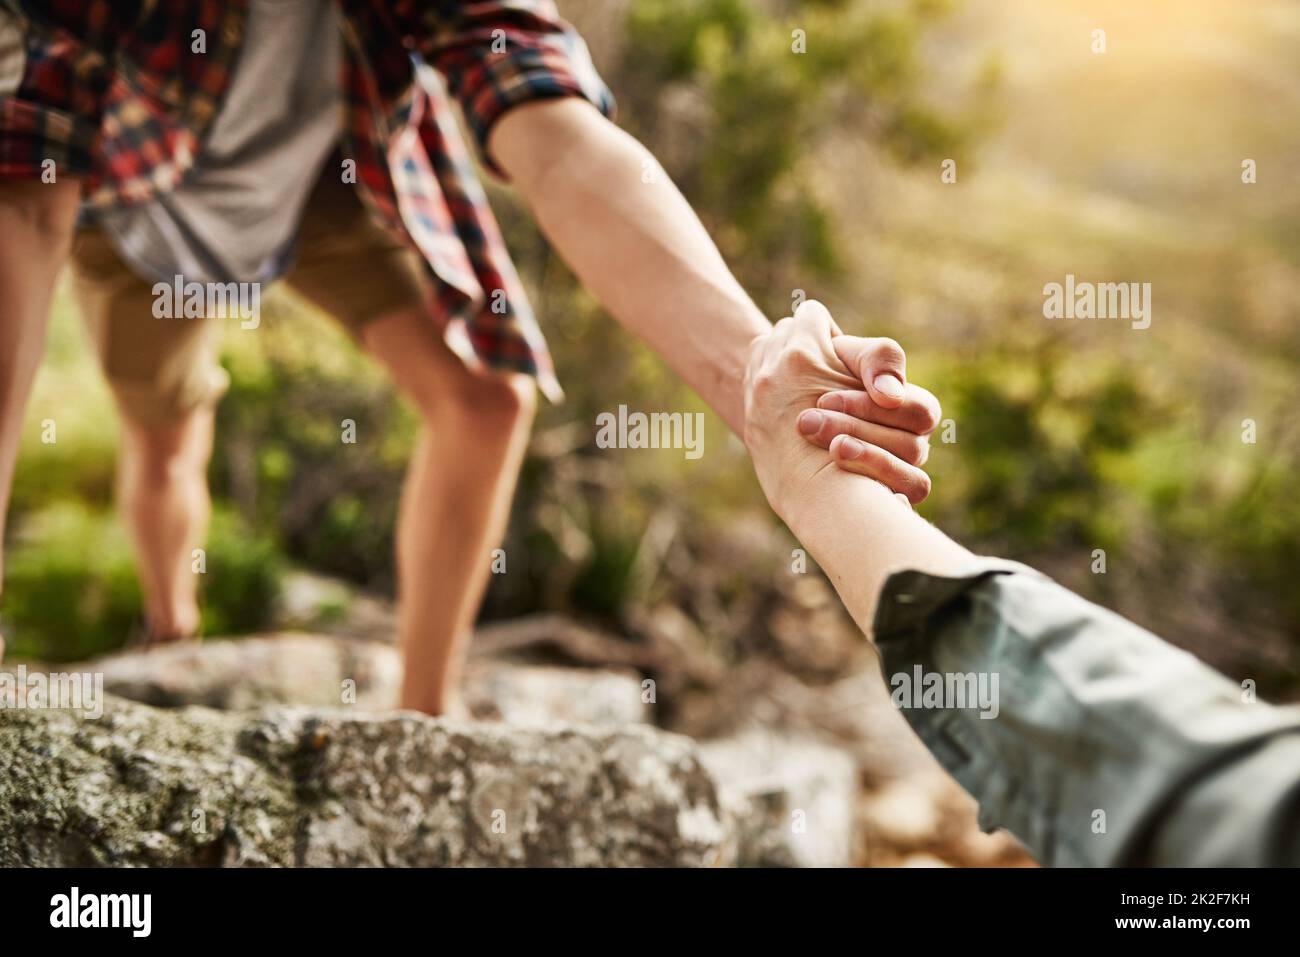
{"points": [[46, 214], [157, 463], [502, 403], [510, 398], [158, 456]]}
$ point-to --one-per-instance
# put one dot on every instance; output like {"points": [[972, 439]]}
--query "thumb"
{"points": [[880, 364]]}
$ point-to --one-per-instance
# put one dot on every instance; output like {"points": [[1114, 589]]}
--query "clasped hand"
{"points": [[810, 390]]}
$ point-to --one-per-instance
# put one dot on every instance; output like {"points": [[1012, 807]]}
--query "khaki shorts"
{"points": [[161, 370]]}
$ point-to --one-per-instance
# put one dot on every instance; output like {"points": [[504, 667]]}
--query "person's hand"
{"points": [[865, 428], [790, 368]]}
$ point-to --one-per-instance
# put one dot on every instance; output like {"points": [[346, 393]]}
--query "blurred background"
{"points": [[819, 172]]}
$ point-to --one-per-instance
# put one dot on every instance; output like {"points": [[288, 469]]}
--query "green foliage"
{"points": [[71, 589], [1246, 509], [743, 143], [79, 463], [604, 584], [1036, 439], [1053, 458], [243, 577], [283, 460]]}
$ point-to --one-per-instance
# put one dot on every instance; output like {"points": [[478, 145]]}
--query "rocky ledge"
{"points": [[284, 751], [315, 787]]}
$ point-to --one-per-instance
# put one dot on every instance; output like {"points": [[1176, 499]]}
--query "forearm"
{"points": [[860, 534], [633, 240]]}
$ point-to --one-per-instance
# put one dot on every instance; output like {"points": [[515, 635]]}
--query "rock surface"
{"points": [[312, 787], [303, 762], [792, 801], [316, 671]]}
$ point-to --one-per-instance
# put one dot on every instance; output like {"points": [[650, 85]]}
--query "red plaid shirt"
{"points": [[122, 91]]}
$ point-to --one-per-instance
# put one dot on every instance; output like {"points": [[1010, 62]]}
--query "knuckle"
{"points": [[828, 430], [888, 352], [809, 309], [831, 402], [928, 417], [764, 382], [920, 487], [856, 404], [840, 424], [803, 358], [915, 449]]}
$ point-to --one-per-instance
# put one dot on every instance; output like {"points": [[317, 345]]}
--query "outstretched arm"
{"points": [[630, 236], [1091, 740], [633, 240]]}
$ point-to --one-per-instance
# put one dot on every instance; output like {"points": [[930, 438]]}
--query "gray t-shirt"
{"points": [[235, 216]]}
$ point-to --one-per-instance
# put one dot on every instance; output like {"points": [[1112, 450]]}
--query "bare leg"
{"points": [[456, 500], [163, 493], [36, 225]]}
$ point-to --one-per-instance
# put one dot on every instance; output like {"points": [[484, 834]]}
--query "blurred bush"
{"points": [[71, 590], [70, 586], [299, 386]]}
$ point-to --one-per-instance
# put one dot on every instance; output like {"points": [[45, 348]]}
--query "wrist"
{"points": [[801, 484], [816, 504]]}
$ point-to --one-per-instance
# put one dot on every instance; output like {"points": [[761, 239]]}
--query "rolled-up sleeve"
{"points": [[1101, 744], [498, 55]]}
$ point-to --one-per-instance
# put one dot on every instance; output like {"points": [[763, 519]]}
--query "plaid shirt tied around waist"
{"points": [[121, 92]]}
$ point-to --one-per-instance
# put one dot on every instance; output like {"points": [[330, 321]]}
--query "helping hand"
{"points": [[873, 432], [792, 367]]}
